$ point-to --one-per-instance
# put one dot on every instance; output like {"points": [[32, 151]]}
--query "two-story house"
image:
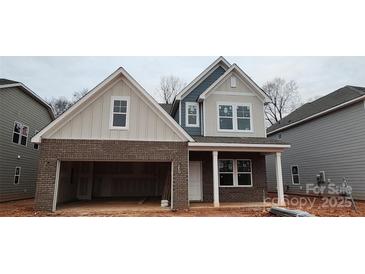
{"points": [[22, 115], [117, 141]]}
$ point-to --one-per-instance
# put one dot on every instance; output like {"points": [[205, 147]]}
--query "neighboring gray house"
{"points": [[326, 135], [117, 141], [22, 115]]}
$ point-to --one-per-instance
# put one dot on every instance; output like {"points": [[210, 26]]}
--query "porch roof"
{"points": [[249, 144]]}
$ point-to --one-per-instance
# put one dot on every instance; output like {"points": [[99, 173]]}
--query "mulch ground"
{"points": [[313, 205]]}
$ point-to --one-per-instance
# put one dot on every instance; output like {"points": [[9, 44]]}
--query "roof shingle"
{"points": [[324, 103]]}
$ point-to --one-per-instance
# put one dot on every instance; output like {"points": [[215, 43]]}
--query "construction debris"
{"points": [[284, 212]]}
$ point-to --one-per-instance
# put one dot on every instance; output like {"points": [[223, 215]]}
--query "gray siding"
{"points": [[15, 105], [334, 143], [193, 97]]}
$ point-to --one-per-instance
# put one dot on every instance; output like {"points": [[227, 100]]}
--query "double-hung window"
{"points": [[235, 173], [192, 114], [20, 133], [17, 175], [295, 175], [234, 117], [119, 117]]}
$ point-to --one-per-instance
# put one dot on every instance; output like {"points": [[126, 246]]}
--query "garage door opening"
{"points": [[132, 183]]}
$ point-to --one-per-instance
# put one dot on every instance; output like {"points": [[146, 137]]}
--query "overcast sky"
{"points": [[56, 76]]}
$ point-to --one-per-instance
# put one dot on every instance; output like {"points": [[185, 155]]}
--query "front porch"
{"points": [[233, 173]]}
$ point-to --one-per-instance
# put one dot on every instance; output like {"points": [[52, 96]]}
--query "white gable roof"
{"points": [[95, 92], [242, 75]]}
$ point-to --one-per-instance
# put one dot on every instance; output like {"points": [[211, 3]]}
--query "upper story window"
{"points": [[20, 133], [234, 117], [233, 82], [192, 114], [119, 112]]}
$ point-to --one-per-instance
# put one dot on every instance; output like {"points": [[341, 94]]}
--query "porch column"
{"points": [[215, 179], [279, 179]]}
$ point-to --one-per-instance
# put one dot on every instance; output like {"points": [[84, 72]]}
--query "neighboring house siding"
{"points": [[244, 94], [193, 97], [93, 122], [15, 105], [334, 143]]}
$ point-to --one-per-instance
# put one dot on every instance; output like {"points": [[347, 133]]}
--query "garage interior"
{"points": [[132, 183]]}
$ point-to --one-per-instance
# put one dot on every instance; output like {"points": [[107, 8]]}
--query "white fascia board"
{"points": [[225, 145], [168, 119], [241, 75], [318, 114], [181, 94]]}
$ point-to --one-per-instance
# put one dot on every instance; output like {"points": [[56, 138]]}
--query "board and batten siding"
{"points": [[93, 122], [193, 97], [334, 143], [224, 93], [16, 105]]}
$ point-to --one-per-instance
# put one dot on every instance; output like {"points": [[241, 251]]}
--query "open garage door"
{"points": [[114, 180]]}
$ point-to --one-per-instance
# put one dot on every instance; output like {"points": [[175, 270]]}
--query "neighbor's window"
{"points": [[35, 145], [234, 117], [226, 172], [17, 175], [20, 133], [295, 175], [120, 110], [235, 173], [244, 173], [192, 114]]}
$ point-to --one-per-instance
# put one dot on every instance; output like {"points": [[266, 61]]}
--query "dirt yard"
{"points": [[315, 206]]}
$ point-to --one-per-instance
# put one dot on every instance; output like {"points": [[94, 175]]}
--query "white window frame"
{"points": [[233, 82], [34, 144], [119, 98], [235, 173], [20, 134], [15, 175], [187, 104], [292, 175], [235, 119]]}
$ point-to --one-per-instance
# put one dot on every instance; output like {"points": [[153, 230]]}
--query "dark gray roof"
{"points": [[238, 140], [324, 103], [166, 107], [4, 81]]}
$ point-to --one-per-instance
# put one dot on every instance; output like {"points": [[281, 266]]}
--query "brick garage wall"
{"points": [[233, 194], [110, 150]]}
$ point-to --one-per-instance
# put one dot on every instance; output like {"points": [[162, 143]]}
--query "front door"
{"points": [[195, 181]]}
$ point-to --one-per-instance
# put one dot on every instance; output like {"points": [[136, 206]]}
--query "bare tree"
{"points": [[283, 99], [59, 105], [79, 94], [169, 87]]}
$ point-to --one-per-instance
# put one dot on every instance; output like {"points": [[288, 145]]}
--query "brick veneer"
{"points": [[110, 150], [233, 194]]}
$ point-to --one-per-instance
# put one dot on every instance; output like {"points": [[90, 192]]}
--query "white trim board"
{"points": [[97, 91], [243, 77]]}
